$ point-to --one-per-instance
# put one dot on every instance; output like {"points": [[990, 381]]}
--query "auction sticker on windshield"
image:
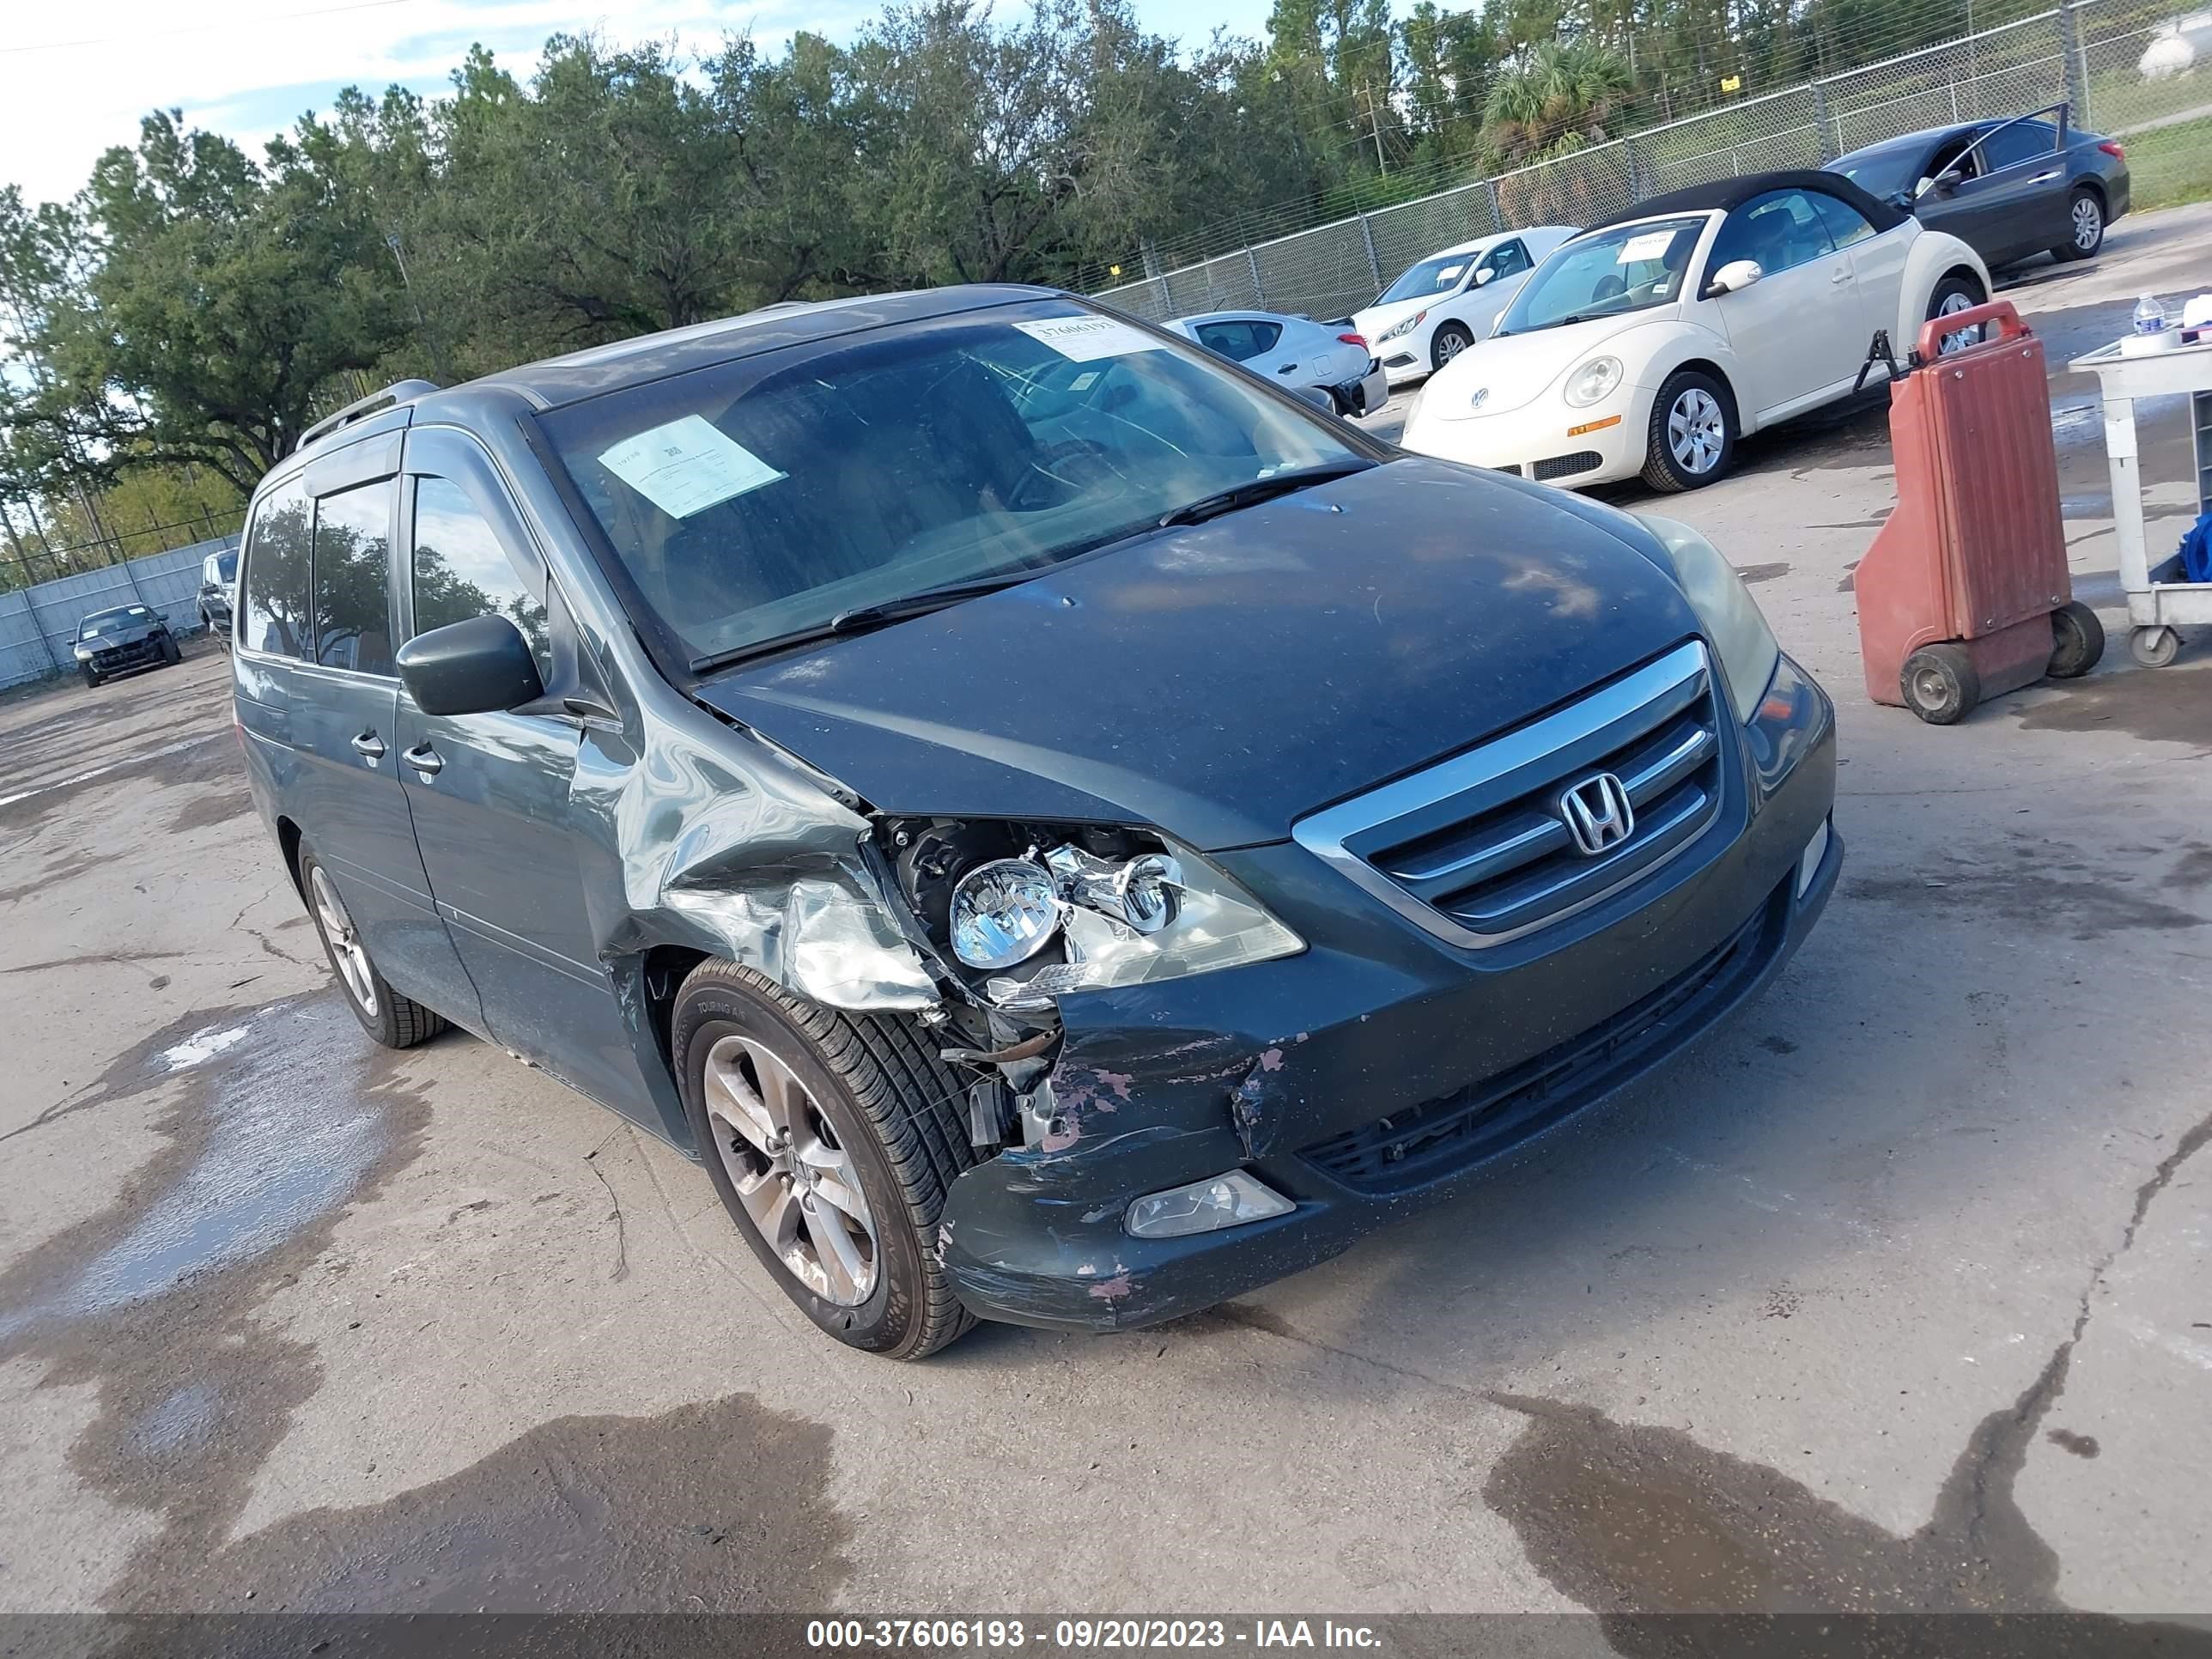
{"points": [[1085, 339], [1651, 245], [687, 467]]}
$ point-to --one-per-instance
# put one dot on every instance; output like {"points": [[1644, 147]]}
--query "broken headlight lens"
{"points": [[1003, 911], [1130, 921]]}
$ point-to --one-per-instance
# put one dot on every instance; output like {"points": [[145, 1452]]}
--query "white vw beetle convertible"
{"points": [[1649, 344]]}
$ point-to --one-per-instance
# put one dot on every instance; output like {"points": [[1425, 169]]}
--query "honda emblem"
{"points": [[1597, 814]]}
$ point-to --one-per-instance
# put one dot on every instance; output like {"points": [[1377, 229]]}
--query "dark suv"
{"points": [[1064, 831]]}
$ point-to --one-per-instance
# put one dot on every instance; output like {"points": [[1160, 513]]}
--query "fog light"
{"points": [[1809, 865], [1225, 1201]]}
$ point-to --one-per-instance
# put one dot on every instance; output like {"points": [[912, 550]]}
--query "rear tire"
{"points": [[2085, 213], [895, 1121], [1939, 683], [394, 1020], [1690, 440], [2077, 640]]}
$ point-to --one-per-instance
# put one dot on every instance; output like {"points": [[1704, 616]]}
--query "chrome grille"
{"points": [[1478, 849]]}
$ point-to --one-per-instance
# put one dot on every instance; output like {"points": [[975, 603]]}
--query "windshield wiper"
{"points": [[1257, 490], [860, 618]]}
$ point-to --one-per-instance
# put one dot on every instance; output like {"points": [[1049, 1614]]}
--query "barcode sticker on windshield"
{"points": [[1651, 245], [1086, 339], [687, 467]]}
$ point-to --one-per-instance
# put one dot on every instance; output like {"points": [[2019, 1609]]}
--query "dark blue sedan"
{"points": [[2009, 189]]}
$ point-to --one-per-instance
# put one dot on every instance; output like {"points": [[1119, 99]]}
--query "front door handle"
{"points": [[424, 759], [1839, 276], [369, 746], [1288, 369]]}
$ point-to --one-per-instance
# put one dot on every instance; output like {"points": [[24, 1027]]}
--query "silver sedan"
{"points": [[1303, 354]]}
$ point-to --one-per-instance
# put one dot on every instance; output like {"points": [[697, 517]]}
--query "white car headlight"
{"points": [[1740, 634], [84, 653], [1160, 915], [1595, 379], [1401, 328]]}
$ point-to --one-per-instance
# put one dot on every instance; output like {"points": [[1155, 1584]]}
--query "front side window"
{"points": [[461, 570], [1506, 259], [275, 599], [768, 496], [1607, 272], [1779, 230], [353, 579]]}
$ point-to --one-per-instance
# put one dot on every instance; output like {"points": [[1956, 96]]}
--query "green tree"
{"points": [[1555, 97]]}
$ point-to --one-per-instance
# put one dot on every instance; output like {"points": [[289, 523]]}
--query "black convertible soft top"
{"points": [[1732, 192]]}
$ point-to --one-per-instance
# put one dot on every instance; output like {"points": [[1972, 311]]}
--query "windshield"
{"points": [[1881, 173], [1432, 277], [113, 622], [226, 565], [765, 496], [1606, 273]]}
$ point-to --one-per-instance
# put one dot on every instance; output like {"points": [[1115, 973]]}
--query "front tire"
{"points": [[2085, 218], [172, 653], [832, 1139], [394, 1020], [1691, 440], [1447, 343], [90, 679]]}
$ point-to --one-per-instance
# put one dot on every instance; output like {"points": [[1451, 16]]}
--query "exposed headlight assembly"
{"points": [[1593, 381], [1404, 326], [1115, 920], [1739, 633]]}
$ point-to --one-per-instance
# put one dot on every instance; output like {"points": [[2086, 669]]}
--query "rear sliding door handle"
{"points": [[424, 759], [369, 747]]}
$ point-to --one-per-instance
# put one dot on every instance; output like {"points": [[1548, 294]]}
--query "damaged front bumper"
{"points": [[1378, 1071]]}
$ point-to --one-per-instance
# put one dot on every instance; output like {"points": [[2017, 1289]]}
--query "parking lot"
{"points": [[1892, 1293]]}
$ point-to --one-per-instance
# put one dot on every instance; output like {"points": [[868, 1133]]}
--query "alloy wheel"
{"points": [[2088, 223], [1695, 431], [1448, 346], [1953, 303], [796, 1181], [345, 945]]}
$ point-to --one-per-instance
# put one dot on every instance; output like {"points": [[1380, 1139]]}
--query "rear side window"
{"points": [[462, 570], [353, 579], [275, 600], [2021, 142], [1845, 223], [1240, 340]]}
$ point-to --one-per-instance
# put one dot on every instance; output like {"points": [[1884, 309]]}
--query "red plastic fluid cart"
{"points": [[1965, 593]]}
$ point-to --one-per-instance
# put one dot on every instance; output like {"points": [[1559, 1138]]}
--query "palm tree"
{"points": [[1556, 97]]}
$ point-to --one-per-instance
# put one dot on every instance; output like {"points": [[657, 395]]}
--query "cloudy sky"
{"points": [[75, 79]]}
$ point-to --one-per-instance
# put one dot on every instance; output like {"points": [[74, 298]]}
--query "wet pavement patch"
{"points": [[216, 806], [716, 1507], [2036, 883], [269, 1136], [2159, 705]]}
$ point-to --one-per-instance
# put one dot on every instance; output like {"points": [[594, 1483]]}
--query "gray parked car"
{"points": [[218, 596], [1064, 831], [1327, 358], [2007, 189], [121, 639]]}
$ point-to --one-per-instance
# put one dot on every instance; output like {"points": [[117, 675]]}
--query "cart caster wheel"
{"points": [[1939, 683], [2077, 640], [2153, 647]]}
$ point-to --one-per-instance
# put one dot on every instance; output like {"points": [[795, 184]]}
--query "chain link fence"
{"points": [[2091, 54], [39, 623]]}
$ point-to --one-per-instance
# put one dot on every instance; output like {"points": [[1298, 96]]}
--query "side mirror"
{"points": [[1485, 274], [1902, 200], [1735, 275], [1947, 181], [479, 666], [1318, 396]]}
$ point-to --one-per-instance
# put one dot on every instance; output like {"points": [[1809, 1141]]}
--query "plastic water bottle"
{"points": [[2150, 315]]}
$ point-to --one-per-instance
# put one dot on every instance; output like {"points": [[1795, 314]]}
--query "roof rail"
{"points": [[399, 391]]}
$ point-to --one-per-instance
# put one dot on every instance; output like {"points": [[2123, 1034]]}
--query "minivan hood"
{"points": [[1218, 682], [1515, 368]]}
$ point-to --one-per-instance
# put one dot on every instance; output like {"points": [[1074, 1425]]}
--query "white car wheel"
{"points": [[1691, 439]]}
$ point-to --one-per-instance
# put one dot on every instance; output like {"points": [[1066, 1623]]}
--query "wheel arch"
{"points": [[1933, 255], [287, 842]]}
